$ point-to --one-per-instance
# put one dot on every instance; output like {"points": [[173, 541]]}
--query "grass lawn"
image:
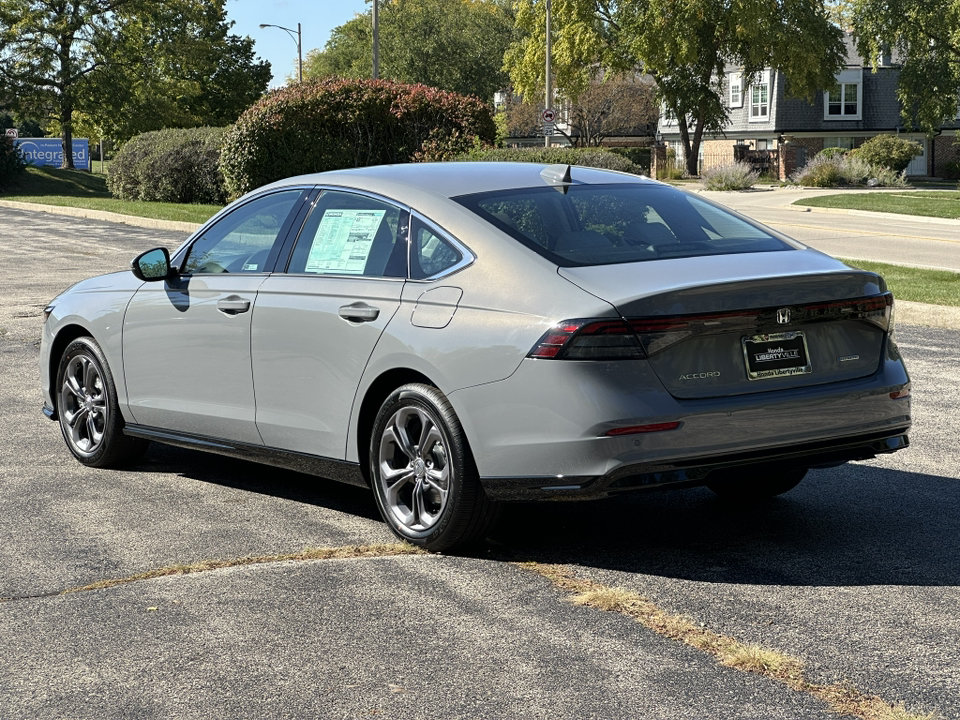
{"points": [[81, 189], [937, 287], [930, 203]]}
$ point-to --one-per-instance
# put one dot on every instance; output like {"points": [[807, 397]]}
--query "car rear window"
{"points": [[581, 225]]}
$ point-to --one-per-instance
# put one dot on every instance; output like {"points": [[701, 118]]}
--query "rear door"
{"points": [[316, 324]]}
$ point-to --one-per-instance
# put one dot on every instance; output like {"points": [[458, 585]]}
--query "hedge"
{"points": [[587, 157], [889, 151], [178, 166], [338, 123], [12, 162]]}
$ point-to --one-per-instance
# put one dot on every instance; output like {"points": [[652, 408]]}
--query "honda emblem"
{"points": [[783, 316]]}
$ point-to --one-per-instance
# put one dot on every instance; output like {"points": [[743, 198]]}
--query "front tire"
{"points": [[757, 483], [424, 478], [87, 407]]}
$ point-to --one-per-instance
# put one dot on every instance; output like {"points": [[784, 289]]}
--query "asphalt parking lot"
{"points": [[855, 572]]}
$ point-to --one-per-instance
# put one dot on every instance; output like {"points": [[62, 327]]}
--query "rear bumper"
{"points": [[694, 471]]}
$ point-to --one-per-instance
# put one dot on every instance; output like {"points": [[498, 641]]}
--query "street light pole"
{"points": [[298, 39]]}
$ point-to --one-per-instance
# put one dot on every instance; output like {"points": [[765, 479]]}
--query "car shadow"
{"points": [[854, 525], [258, 478]]}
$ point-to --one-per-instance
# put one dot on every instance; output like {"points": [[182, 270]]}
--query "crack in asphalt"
{"points": [[842, 697], [344, 552]]}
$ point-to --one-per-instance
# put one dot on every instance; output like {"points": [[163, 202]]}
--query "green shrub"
{"points": [[849, 169], [339, 123], [178, 166], [585, 157], [833, 152], [733, 176], [886, 177], [12, 162], [889, 151], [951, 170], [639, 156]]}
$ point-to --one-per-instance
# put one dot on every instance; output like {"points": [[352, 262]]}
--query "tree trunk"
{"points": [[66, 135], [65, 115], [693, 150]]}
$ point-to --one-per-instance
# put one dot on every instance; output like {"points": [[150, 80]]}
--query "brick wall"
{"points": [[813, 145], [944, 150]]}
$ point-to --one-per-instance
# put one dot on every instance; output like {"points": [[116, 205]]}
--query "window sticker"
{"points": [[343, 241]]}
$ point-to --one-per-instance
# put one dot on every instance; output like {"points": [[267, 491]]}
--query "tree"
{"points": [[684, 45], [455, 45], [926, 36], [618, 105], [132, 63], [519, 118]]}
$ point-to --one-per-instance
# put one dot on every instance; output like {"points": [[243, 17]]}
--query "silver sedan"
{"points": [[460, 335]]}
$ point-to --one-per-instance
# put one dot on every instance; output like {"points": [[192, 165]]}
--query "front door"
{"points": [[186, 341], [918, 166]]}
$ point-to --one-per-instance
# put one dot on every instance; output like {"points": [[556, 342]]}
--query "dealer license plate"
{"points": [[776, 355]]}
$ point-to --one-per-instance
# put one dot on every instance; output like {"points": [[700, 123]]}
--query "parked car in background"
{"points": [[460, 335]]}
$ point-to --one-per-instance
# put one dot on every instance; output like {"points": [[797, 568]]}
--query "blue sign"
{"points": [[49, 151]]}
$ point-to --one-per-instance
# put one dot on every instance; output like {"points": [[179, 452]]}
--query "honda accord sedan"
{"points": [[457, 335]]}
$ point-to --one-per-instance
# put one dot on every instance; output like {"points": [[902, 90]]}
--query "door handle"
{"points": [[359, 312], [233, 305]]}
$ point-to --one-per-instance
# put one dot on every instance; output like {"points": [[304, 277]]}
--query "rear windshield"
{"points": [[609, 224]]}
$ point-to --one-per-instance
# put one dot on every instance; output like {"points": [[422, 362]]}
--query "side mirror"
{"points": [[152, 265]]}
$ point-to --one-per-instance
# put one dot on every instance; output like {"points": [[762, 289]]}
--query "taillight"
{"points": [[656, 334], [877, 310], [588, 340]]}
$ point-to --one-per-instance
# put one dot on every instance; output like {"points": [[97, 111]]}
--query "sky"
{"points": [[316, 17]]}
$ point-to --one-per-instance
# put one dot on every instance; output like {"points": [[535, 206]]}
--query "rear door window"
{"points": [[351, 234]]}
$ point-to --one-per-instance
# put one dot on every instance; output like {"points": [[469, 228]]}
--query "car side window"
{"points": [[241, 241], [430, 253], [351, 234]]}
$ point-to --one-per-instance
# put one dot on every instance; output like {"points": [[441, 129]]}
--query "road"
{"points": [[896, 239], [855, 572]]}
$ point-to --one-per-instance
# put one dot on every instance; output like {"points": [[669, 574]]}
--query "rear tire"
{"points": [[757, 483], [87, 406], [424, 477]]}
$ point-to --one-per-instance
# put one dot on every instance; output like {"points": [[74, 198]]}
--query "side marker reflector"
{"points": [[637, 429]]}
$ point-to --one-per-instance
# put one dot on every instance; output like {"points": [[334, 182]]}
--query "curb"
{"points": [[870, 213], [105, 215]]}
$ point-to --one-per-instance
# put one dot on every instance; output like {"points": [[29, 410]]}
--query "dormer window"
{"points": [[760, 97], [844, 100], [736, 90]]}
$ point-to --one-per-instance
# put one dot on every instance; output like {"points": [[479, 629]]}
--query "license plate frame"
{"points": [[776, 355]]}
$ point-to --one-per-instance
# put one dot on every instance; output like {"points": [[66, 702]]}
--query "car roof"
{"points": [[451, 179]]}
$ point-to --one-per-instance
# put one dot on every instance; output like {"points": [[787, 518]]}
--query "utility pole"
{"points": [[376, 39], [548, 101]]}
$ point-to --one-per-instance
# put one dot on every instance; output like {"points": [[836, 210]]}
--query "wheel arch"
{"points": [[374, 397], [65, 335]]}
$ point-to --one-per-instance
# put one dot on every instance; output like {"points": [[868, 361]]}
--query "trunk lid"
{"points": [[747, 323]]}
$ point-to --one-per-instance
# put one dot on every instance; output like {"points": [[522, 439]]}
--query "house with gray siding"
{"points": [[861, 105]]}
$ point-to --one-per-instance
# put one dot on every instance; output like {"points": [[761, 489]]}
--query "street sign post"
{"points": [[548, 115]]}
